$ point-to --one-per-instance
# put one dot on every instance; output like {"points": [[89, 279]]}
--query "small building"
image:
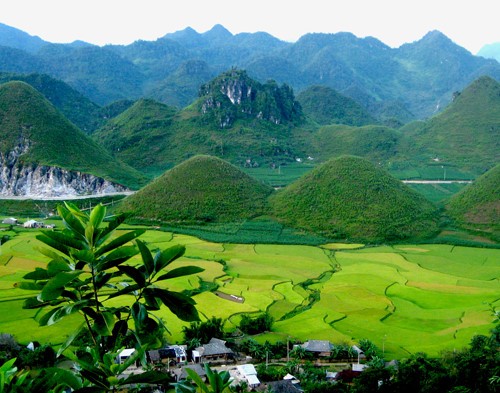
{"points": [[33, 224], [318, 347], [283, 386], [249, 374], [10, 221], [125, 354], [181, 373], [215, 350], [175, 352], [292, 378]]}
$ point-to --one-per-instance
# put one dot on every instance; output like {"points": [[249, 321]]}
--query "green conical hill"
{"points": [[138, 135], [203, 188], [348, 197], [466, 133], [479, 202], [29, 122]]}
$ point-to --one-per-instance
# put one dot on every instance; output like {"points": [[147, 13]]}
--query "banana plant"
{"points": [[89, 266]]}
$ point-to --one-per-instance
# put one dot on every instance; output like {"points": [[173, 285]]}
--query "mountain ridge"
{"points": [[364, 69]]}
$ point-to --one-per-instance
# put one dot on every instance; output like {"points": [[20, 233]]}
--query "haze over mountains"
{"points": [[417, 78]]}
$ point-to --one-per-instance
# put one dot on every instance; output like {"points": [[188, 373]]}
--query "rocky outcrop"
{"points": [[40, 181], [234, 95]]}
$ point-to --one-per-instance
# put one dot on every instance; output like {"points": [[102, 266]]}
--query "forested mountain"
{"points": [[326, 106], [15, 38], [73, 105], [466, 133], [235, 117], [35, 134], [415, 80]]}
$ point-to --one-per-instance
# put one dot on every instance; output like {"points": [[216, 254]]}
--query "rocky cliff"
{"points": [[40, 181], [234, 95]]}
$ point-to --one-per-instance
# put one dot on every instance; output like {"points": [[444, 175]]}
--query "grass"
{"points": [[407, 298]]}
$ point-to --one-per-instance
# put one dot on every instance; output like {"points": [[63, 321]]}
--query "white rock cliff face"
{"points": [[39, 181]]}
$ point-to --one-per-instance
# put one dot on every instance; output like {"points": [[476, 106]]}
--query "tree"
{"points": [[202, 332], [369, 348], [87, 268], [257, 325]]}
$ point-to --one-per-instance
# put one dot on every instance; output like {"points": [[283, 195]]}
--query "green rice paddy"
{"points": [[406, 298]]}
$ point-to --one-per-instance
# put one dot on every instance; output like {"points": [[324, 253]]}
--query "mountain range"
{"points": [[417, 78]]}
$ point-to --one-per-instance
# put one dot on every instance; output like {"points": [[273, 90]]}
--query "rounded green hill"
{"points": [[479, 202], [349, 198], [203, 188], [29, 120]]}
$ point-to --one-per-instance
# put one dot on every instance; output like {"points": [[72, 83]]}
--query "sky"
{"points": [[470, 24]]}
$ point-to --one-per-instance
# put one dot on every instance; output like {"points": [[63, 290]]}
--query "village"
{"points": [[244, 369]]}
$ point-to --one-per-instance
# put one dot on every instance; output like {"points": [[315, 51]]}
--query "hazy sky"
{"points": [[470, 24]]}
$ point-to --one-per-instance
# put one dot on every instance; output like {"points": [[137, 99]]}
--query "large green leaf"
{"points": [[180, 271], [182, 306], [33, 302], [89, 234], [55, 286], [30, 286], [97, 215], [86, 256], [119, 241], [165, 257], [197, 380], [57, 266], [126, 290], [139, 313], [102, 279], [61, 312], [38, 274], [71, 220], [134, 274], [147, 258], [70, 339], [44, 320], [54, 244], [150, 377], [104, 323], [52, 255], [66, 239], [115, 222], [151, 301], [116, 257]]}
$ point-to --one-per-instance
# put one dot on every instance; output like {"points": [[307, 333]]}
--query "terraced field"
{"points": [[405, 299]]}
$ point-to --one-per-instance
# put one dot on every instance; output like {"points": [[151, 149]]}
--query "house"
{"points": [[175, 352], [181, 373], [215, 350], [10, 221], [359, 352], [33, 224], [249, 374], [125, 354], [284, 386], [292, 378], [318, 347]]}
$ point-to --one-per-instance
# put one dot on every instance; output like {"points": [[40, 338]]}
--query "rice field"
{"points": [[406, 298]]}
